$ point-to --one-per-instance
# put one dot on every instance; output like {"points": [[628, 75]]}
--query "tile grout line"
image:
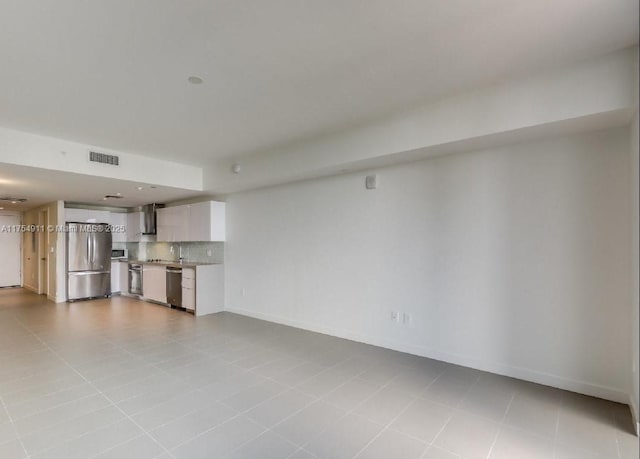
{"points": [[454, 410], [4, 407], [13, 426], [557, 429], [244, 363], [501, 424], [84, 434], [267, 429], [385, 427], [91, 384]]}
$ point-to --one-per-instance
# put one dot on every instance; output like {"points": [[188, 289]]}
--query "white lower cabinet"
{"points": [[124, 276], [209, 289], [189, 288], [202, 287], [115, 277], [154, 283]]}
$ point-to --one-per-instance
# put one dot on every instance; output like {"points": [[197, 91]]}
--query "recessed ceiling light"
{"points": [[14, 202], [139, 188], [1, 208], [119, 194], [195, 80]]}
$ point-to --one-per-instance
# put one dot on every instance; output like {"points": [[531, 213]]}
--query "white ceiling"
{"points": [[114, 72], [41, 186]]}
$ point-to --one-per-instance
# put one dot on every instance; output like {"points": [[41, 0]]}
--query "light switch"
{"points": [[371, 182]]}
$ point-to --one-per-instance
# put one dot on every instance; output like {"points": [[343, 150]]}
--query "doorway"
{"points": [[10, 240], [43, 252]]}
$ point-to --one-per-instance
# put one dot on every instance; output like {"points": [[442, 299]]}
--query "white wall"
{"points": [[26, 149], [56, 290], [568, 98], [515, 260], [635, 232]]}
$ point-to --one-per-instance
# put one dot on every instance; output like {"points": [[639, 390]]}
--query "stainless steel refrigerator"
{"points": [[88, 260]]}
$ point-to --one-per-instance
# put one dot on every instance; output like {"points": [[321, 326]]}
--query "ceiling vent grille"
{"points": [[104, 158]]}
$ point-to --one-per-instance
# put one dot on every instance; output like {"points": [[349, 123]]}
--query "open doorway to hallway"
{"points": [[10, 249]]}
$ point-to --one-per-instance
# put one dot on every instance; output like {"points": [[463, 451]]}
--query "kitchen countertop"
{"points": [[175, 264]]}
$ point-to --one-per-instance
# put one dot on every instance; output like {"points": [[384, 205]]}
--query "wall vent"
{"points": [[104, 158]]}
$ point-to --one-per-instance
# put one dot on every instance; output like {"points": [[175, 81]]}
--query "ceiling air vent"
{"points": [[103, 158]]}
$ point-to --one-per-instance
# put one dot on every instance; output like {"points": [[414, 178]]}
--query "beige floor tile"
{"points": [[170, 370], [468, 435], [94, 442], [7, 432], [63, 432], [448, 390], [487, 400], [537, 416], [12, 450], [276, 409], [254, 395], [515, 443], [344, 438], [351, 394], [392, 444], [384, 405], [434, 452], [588, 433], [142, 447], [220, 441], [266, 446], [423, 420], [308, 423], [184, 428]]}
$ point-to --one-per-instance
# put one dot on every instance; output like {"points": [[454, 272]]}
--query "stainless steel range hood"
{"points": [[149, 213]]}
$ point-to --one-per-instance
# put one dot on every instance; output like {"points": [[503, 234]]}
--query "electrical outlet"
{"points": [[209, 252], [406, 319], [395, 316], [243, 292]]}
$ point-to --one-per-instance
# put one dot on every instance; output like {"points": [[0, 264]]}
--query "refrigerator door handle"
{"points": [[88, 254]]}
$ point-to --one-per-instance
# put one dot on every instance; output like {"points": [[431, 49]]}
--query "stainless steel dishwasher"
{"points": [[174, 286]]}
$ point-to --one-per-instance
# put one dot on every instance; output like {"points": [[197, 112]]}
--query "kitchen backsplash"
{"points": [[202, 252]]}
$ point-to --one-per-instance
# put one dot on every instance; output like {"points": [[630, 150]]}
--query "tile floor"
{"points": [[125, 379]]}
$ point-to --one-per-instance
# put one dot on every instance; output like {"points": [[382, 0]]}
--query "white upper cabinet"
{"points": [[206, 221], [118, 222], [99, 216], [171, 224], [203, 221], [76, 215], [135, 226], [87, 216]]}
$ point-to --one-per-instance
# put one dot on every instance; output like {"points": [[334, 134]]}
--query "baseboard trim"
{"points": [[30, 288], [581, 387]]}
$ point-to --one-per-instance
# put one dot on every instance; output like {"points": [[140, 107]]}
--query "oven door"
{"points": [[135, 279]]}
